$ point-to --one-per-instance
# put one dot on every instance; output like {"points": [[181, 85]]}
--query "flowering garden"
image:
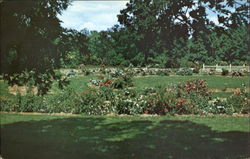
{"points": [[120, 91], [138, 79], [128, 113]]}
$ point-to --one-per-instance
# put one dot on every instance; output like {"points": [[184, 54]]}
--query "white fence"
{"points": [[230, 68]]}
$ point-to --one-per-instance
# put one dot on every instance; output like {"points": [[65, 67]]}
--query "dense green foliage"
{"points": [[75, 48], [118, 47], [190, 97], [174, 34], [159, 33], [30, 45]]}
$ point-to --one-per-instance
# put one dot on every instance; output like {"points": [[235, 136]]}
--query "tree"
{"points": [[233, 45], [29, 47], [166, 21], [74, 44], [123, 43]]}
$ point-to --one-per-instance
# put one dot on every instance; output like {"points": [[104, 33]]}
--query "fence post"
{"points": [[203, 67], [230, 68]]}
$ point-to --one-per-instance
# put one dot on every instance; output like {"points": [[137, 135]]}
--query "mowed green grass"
{"points": [[219, 82], [213, 82], [124, 137], [79, 83]]}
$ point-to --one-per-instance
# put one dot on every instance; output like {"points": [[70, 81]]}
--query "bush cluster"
{"points": [[237, 73], [117, 80], [191, 97], [162, 73], [224, 72], [116, 72], [185, 72], [186, 98], [122, 82], [68, 101]]}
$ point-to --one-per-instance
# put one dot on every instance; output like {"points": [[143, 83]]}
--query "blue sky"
{"points": [[96, 15], [93, 15]]}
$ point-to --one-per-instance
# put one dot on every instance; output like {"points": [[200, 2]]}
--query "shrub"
{"points": [[151, 72], [237, 73], [68, 101], [197, 86], [143, 73], [224, 72], [89, 103], [71, 73], [103, 70], [129, 102], [185, 72], [219, 106], [162, 73], [95, 82], [239, 101], [116, 73], [129, 72], [105, 82], [128, 80], [28, 103], [147, 91], [160, 102], [119, 84], [60, 102], [190, 97], [223, 63], [236, 103], [123, 82], [87, 72], [42, 81], [183, 62], [106, 93], [196, 69], [92, 102], [171, 101], [123, 106], [211, 72]]}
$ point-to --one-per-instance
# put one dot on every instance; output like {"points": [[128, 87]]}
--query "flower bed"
{"points": [[191, 97]]}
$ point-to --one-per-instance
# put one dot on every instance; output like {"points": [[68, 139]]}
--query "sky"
{"points": [[97, 15], [93, 15]]}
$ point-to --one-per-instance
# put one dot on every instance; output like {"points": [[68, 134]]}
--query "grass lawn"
{"points": [[218, 82], [124, 137], [77, 83], [221, 94]]}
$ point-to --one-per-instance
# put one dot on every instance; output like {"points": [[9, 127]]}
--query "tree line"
{"points": [[164, 33], [169, 33]]}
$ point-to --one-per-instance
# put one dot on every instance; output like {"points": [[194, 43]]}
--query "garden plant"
{"points": [[166, 80]]}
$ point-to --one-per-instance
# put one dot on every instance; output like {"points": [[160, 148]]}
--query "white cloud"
{"points": [[93, 15]]}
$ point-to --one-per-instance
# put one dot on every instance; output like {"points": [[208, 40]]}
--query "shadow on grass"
{"points": [[94, 138]]}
